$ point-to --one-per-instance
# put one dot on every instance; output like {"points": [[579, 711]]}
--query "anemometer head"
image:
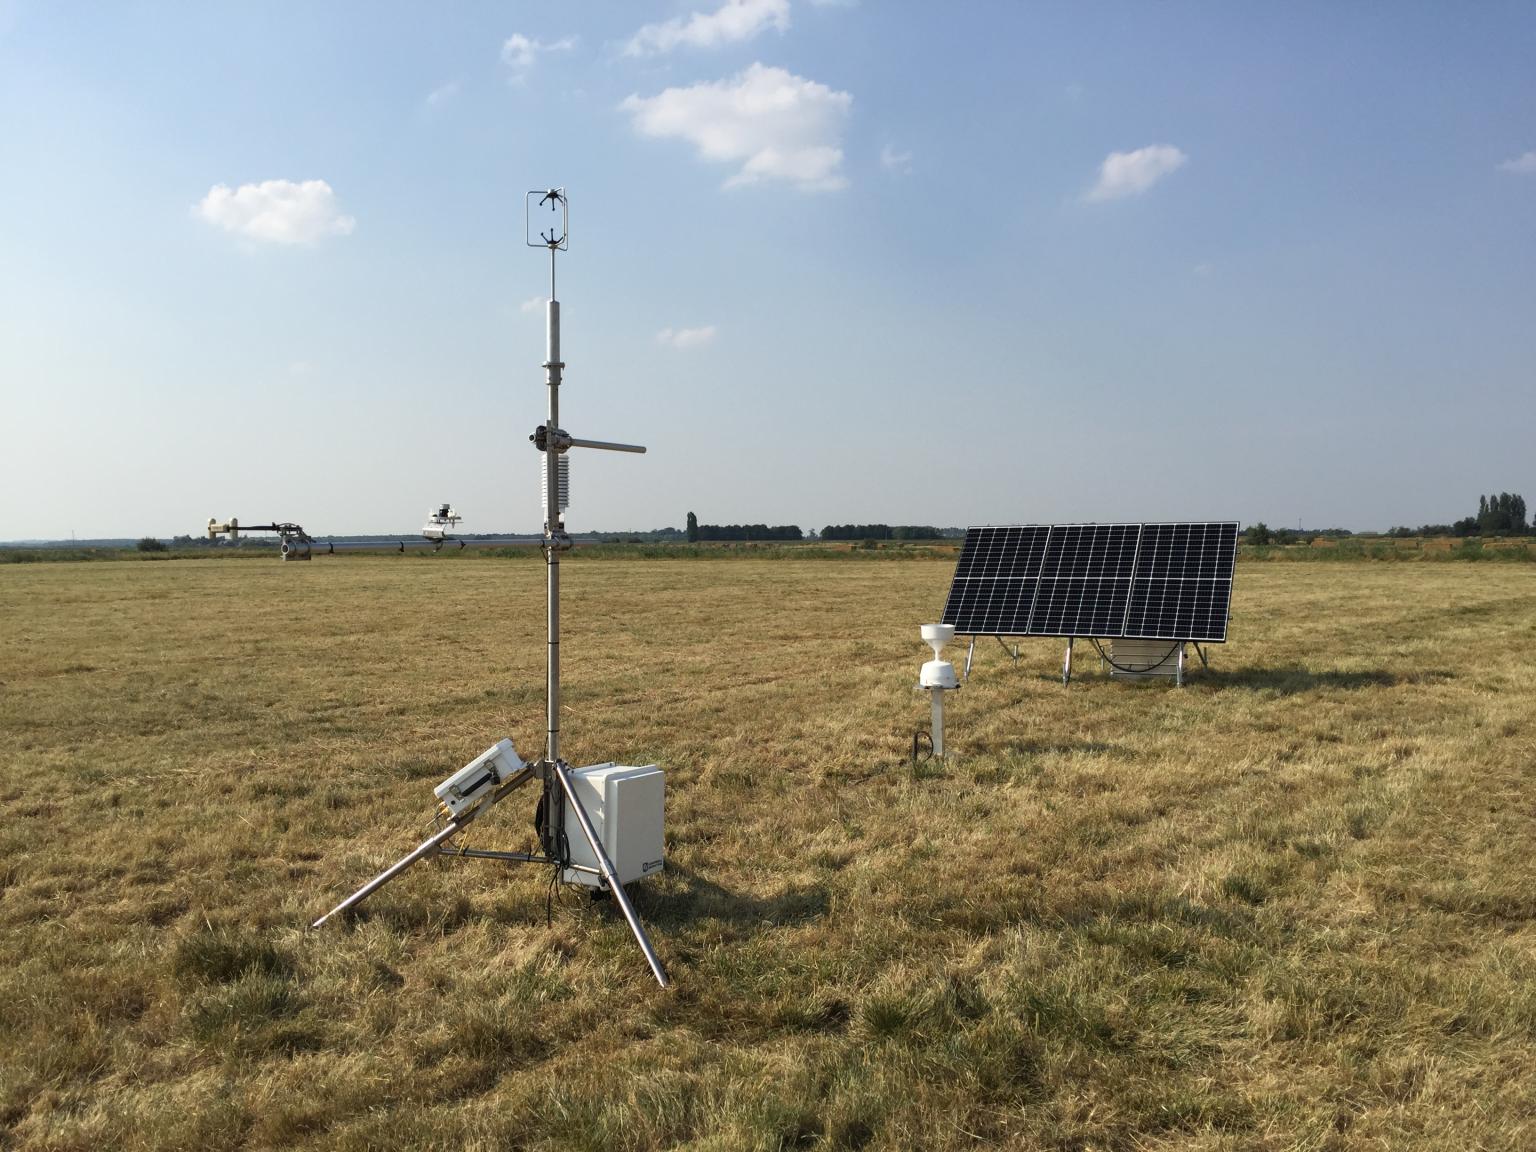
{"points": [[547, 219]]}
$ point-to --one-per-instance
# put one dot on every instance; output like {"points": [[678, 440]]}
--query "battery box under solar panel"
{"points": [[1144, 659]]}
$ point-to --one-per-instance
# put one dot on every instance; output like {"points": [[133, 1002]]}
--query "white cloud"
{"points": [[686, 337], [778, 126], [521, 53], [898, 163], [1526, 163], [532, 304], [731, 23], [440, 96], [277, 211], [1132, 173]]}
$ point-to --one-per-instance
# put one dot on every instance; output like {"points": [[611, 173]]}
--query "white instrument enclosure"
{"points": [[627, 808], [477, 779]]}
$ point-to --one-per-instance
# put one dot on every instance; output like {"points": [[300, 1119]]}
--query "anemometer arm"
{"points": [[563, 440], [605, 445]]}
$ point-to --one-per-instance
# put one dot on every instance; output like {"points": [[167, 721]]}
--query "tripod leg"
{"points": [[605, 866], [384, 877]]}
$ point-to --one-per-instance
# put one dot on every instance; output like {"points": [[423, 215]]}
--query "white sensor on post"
{"points": [[938, 677], [938, 672]]}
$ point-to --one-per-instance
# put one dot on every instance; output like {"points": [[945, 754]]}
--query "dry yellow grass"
{"points": [[1290, 906]]}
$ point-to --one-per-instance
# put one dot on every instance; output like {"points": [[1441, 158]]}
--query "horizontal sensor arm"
{"points": [[606, 445]]}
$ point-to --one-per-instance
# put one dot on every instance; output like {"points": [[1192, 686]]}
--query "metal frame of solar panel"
{"points": [[1154, 581]]}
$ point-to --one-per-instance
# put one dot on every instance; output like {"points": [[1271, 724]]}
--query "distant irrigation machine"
{"points": [[439, 528], [1151, 590], [599, 826], [295, 542]]}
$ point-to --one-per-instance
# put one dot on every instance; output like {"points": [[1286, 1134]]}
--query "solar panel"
{"points": [[996, 577], [1149, 581], [1182, 588], [1084, 580]]}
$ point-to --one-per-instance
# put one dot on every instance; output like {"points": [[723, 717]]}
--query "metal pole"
{"points": [[390, 873], [553, 529], [1066, 664], [938, 722], [606, 867], [607, 445], [434, 844]]}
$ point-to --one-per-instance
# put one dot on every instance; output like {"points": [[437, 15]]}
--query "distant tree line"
{"points": [[653, 536], [881, 532], [1501, 515], [697, 531], [750, 532], [1262, 533]]}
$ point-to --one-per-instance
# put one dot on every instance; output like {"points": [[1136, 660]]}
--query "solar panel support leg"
{"points": [[1199, 651], [1178, 675], [969, 652], [1066, 665], [1013, 652]]}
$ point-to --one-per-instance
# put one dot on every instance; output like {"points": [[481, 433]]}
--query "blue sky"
{"points": [[831, 262]]}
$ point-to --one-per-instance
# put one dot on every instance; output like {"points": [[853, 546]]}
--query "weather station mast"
{"points": [[552, 440], [600, 826]]}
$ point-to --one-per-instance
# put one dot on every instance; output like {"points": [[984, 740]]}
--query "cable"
{"points": [[1104, 656], [917, 738]]}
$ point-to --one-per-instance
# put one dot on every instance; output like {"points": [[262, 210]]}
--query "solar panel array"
{"points": [[1149, 581]]}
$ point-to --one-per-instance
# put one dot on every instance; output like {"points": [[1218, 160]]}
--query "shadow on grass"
{"points": [[689, 897], [1292, 680]]}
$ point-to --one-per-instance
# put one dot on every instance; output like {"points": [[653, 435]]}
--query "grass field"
{"points": [[1289, 906]]}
